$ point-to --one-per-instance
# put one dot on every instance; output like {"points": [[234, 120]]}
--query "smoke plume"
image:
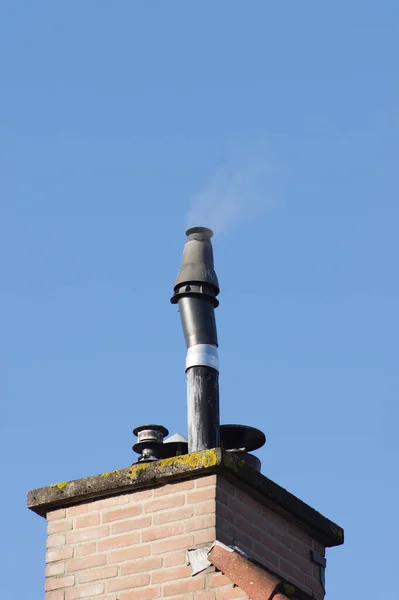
{"points": [[232, 196]]}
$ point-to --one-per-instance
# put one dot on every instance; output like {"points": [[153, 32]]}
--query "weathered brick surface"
{"points": [[267, 537], [85, 591], [134, 546], [87, 562], [87, 521], [57, 595], [59, 554], [57, 568], [60, 526], [149, 593], [55, 583], [53, 541], [120, 556], [86, 549], [122, 513], [173, 559], [81, 509], [54, 515], [146, 565]]}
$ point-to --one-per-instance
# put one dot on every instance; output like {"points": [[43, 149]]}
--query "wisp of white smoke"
{"points": [[232, 196]]}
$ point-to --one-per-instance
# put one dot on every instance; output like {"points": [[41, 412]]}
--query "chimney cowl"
{"points": [[150, 442], [197, 275]]}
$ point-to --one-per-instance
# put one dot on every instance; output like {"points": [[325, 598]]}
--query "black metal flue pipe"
{"points": [[195, 292]]}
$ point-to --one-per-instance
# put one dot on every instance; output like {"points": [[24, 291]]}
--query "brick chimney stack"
{"points": [[191, 519], [203, 526]]}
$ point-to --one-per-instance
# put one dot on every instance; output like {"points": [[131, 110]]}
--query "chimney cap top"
{"points": [[207, 233]]}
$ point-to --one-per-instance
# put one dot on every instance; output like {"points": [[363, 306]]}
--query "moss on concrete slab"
{"points": [[196, 464]]}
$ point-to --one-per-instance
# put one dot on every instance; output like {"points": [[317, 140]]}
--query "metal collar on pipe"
{"points": [[202, 355]]}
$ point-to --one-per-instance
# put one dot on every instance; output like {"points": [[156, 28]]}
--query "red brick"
{"points": [[86, 562], [240, 509], [246, 499], [59, 582], [164, 503], [53, 541], [140, 495], [205, 508], [99, 505], [59, 526], [207, 536], [55, 515], [273, 544], [59, 554], [222, 496], [267, 557], [225, 485], [151, 593], [172, 488], [138, 566], [218, 580], [279, 534], [179, 514], [169, 574], [299, 534], [131, 524], [300, 548], [57, 568], [85, 535], [120, 541], [129, 553], [96, 574], [57, 595], [272, 517], [201, 495], [80, 509], [226, 513], [85, 549], [231, 594], [206, 596], [172, 559], [302, 563], [183, 587], [203, 522], [174, 544], [224, 526], [291, 571], [158, 533], [315, 587], [249, 529], [88, 520], [85, 591], [205, 481], [122, 513], [128, 582]]}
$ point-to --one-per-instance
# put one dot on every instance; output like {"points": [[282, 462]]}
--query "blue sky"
{"points": [[113, 115]]}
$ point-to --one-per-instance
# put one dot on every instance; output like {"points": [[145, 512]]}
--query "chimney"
{"points": [[188, 520]]}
